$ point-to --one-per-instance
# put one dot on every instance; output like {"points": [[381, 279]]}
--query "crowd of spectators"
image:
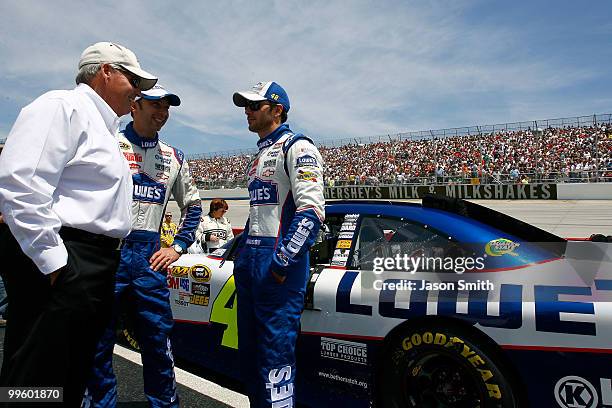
{"points": [[570, 154]]}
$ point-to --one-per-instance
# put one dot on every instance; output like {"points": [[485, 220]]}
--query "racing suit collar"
{"points": [[273, 137], [133, 137]]}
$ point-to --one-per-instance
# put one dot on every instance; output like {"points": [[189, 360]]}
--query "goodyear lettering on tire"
{"points": [[457, 345]]}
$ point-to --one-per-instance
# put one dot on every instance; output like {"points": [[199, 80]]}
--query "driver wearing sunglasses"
{"points": [[285, 183]]}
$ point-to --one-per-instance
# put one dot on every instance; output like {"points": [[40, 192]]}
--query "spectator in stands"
{"points": [[499, 157]]}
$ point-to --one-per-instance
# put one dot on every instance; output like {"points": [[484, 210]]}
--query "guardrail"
{"points": [[601, 176]]}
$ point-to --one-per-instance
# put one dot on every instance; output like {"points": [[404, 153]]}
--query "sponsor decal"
{"points": [[344, 244], [268, 172], [273, 153], [182, 300], [263, 192], [179, 271], [218, 252], [200, 273], [300, 236], [346, 235], [307, 176], [148, 144], [162, 176], [306, 161], [220, 233], [344, 350], [280, 395], [124, 146], [199, 300], [135, 166], [270, 163], [161, 167], [130, 156], [147, 189], [253, 167], [164, 153], [576, 392], [163, 159], [200, 293], [466, 191], [340, 257], [501, 246]]}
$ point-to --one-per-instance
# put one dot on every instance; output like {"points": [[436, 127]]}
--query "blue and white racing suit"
{"points": [[286, 211], [157, 170]]}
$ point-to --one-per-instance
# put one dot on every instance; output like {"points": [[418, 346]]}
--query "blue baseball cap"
{"points": [[159, 92], [263, 91]]}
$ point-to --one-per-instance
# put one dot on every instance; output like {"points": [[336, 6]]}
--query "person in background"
{"points": [[214, 229], [65, 195], [158, 170], [168, 231]]}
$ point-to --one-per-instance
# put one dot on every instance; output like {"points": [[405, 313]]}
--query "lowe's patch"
{"points": [[148, 190], [263, 192], [306, 161]]}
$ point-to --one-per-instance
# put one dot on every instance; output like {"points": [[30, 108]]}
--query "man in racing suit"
{"points": [[157, 170], [285, 183]]}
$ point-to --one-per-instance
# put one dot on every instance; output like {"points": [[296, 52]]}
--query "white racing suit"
{"points": [[157, 170], [286, 211], [209, 225]]}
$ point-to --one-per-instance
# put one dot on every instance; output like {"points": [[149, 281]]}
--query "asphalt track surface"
{"points": [[194, 390]]}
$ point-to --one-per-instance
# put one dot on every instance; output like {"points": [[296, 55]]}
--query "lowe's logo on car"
{"points": [[280, 395], [147, 189], [263, 192], [300, 236]]}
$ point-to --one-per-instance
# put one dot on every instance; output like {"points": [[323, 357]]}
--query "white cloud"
{"points": [[351, 68]]}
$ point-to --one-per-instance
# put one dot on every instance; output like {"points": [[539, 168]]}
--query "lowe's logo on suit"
{"points": [[263, 192], [147, 189]]}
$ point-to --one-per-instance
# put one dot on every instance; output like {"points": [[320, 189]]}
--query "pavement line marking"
{"points": [[208, 388]]}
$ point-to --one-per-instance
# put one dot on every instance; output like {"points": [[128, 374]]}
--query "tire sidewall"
{"points": [[408, 347]]}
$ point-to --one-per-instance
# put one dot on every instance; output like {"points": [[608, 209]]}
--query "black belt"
{"points": [[73, 234]]}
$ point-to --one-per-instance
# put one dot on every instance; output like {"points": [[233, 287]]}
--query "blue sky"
{"points": [[351, 68]]}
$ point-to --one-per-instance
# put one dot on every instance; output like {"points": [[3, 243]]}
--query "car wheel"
{"points": [[443, 367]]}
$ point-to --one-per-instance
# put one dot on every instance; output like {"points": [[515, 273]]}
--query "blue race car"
{"points": [[444, 304]]}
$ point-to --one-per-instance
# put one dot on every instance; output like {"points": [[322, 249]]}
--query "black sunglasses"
{"points": [[256, 105], [132, 79]]}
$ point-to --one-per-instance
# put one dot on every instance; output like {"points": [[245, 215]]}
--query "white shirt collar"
{"points": [[108, 114]]}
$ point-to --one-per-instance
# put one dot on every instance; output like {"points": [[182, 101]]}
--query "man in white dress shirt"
{"points": [[65, 194]]}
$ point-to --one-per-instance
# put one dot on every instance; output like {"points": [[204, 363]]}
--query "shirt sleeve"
{"points": [[37, 149], [188, 199], [304, 166]]}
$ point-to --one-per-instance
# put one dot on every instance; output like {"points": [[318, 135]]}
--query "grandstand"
{"points": [[575, 149]]}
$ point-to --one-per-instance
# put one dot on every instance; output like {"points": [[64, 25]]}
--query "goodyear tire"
{"points": [[436, 366]]}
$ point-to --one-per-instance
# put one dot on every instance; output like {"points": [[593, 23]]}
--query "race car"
{"points": [[440, 304]]}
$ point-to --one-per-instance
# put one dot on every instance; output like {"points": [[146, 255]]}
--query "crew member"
{"points": [[168, 231], [214, 229]]}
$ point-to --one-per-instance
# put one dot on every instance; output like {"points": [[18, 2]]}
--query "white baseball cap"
{"points": [[159, 92], [112, 53]]}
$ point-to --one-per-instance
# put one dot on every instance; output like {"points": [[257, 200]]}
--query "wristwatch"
{"points": [[179, 249]]}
